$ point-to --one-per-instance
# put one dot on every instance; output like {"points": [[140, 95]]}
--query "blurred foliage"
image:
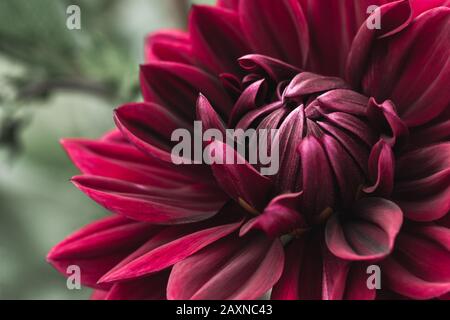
{"points": [[101, 59], [96, 59], [36, 36], [57, 83]]}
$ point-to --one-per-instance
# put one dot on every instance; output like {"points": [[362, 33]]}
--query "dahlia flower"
{"points": [[363, 116]]}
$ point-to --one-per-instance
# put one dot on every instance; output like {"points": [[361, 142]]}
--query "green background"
{"points": [[38, 204]]}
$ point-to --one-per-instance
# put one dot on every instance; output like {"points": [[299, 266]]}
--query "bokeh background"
{"points": [[56, 83]]}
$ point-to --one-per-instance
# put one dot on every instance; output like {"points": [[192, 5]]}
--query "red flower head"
{"points": [[363, 121]]}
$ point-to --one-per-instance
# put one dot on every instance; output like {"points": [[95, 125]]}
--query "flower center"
{"points": [[325, 139]]}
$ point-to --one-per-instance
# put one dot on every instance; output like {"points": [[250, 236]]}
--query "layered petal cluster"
{"points": [[363, 122]]}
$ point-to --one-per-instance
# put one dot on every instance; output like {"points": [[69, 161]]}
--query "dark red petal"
{"points": [[312, 273], [240, 180], [381, 170], [307, 83], [333, 25], [177, 87], [419, 267], [194, 202], [100, 246], [232, 269], [169, 254], [344, 280], [229, 4], [277, 29], [395, 16], [335, 274], [266, 66], [355, 147], [165, 236], [208, 116], [367, 235], [288, 137], [287, 287], [172, 237], [149, 127], [343, 100], [356, 283], [420, 93], [433, 132], [217, 38], [248, 120], [150, 288], [420, 6], [354, 125], [407, 284], [280, 217], [423, 162], [169, 45], [302, 275], [232, 84], [98, 294], [432, 197], [423, 183], [445, 221], [101, 242], [114, 136], [124, 162], [318, 194], [347, 175], [250, 99], [384, 118], [445, 297]]}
